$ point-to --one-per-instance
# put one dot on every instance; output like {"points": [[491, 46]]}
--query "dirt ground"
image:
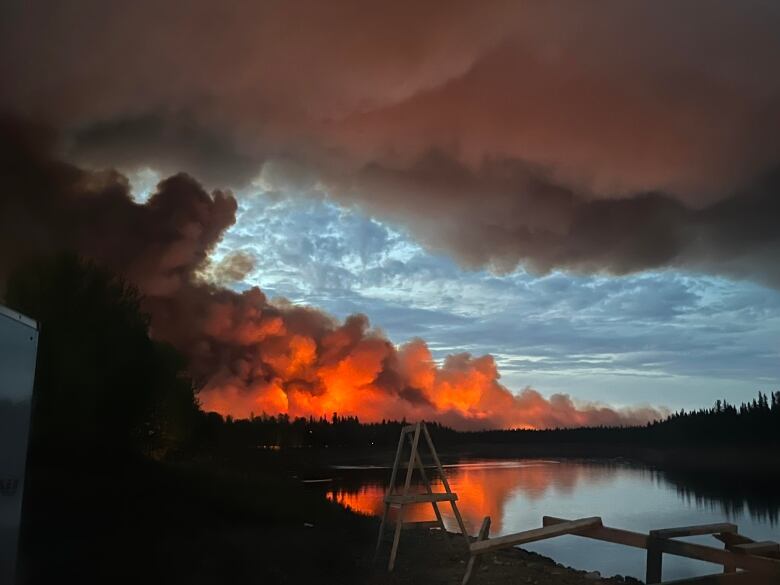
{"points": [[424, 558]]}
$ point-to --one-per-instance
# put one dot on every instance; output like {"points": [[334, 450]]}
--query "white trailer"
{"points": [[18, 350]]}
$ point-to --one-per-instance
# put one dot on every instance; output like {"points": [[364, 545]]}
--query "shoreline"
{"points": [[424, 557], [244, 516], [758, 463]]}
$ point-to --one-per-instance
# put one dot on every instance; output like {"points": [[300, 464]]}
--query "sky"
{"points": [[673, 338], [544, 213]]}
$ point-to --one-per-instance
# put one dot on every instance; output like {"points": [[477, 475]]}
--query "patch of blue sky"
{"points": [[666, 337]]}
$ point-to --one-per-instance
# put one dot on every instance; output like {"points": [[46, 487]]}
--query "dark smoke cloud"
{"points": [[168, 144], [247, 354], [49, 206], [233, 268], [609, 137], [507, 213]]}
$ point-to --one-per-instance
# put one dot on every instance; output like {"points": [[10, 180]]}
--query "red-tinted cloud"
{"points": [[616, 137], [249, 355]]}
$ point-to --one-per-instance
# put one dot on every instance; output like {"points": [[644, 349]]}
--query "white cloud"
{"points": [[671, 337]]}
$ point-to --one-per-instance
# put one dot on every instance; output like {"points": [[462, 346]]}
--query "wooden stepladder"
{"points": [[396, 499]]}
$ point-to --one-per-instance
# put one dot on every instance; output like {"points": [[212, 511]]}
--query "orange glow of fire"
{"points": [[299, 362]]}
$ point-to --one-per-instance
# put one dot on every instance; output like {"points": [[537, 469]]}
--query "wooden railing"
{"points": [[759, 561]]}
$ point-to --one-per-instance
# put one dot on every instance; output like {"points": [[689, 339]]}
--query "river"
{"points": [[517, 493]]}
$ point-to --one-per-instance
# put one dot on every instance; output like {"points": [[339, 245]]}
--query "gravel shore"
{"points": [[424, 558]]}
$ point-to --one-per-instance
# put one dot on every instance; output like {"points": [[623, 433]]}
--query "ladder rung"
{"points": [[422, 524], [419, 498]]}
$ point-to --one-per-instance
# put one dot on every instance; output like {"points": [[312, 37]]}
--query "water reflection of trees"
{"points": [[483, 488], [486, 488], [734, 496]]}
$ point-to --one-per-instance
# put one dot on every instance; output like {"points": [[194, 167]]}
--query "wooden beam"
{"points": [[607, 534], [675, 547], [731, 539], [720, 528], [757, 548], [472, 562], [419, 498], [744, 578], [721, 557], [568, 527]]}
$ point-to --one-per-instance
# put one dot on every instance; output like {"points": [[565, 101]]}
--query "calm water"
{"points": [[517, 493]]}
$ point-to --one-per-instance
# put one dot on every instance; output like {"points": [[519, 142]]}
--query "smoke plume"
{"points": [[249, 355], [614, 137]]}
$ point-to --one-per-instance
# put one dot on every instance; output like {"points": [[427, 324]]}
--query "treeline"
{"points": [[756, 422], [752, 422], [271, 432], [104, 390]]}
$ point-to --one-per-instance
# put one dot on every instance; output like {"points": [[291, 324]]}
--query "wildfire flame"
{"points": [[259, 357]]}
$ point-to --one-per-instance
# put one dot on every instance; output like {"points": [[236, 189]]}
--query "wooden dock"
{"points": [[744, 561]]}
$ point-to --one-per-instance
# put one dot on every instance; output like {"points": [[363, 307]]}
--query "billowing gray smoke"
{"points": [[612, 137], [247, 354]]}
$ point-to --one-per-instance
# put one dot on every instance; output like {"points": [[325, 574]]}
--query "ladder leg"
{"points": [[461, 525], [397, 462], [446, 483], [429, 489], [381, 530], [396, 538], [410, 468], [440, 520], [407, 484], [390, 488]]}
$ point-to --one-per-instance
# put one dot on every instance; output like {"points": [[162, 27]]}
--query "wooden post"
{"points": [[483, 534], [655, 557], [728, 567]]}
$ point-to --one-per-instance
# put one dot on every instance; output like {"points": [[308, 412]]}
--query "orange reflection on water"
{"points": [[483, 489], [368, 500]]}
